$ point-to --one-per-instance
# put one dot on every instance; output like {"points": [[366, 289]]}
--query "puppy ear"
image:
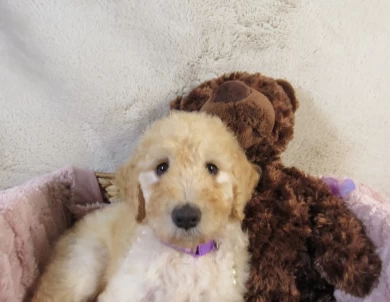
{"points": [[141, 213], [130, 189], [247, 176]]}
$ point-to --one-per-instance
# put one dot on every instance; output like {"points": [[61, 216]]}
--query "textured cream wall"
{"points": [[79, 80]]}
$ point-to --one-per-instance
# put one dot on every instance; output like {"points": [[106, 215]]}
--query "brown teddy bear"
{"points": [[303, 240]]}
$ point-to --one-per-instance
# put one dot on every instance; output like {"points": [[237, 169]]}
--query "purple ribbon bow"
{"points": [[341, 189]]}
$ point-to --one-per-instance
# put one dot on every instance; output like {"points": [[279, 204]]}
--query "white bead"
{"points": [[234, 272]]}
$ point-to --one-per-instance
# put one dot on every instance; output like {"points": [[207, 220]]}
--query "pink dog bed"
{"points": [[34, 215]]}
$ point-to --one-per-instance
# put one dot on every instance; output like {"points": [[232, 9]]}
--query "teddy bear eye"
{"points": [[162, 168], [212, 169]]}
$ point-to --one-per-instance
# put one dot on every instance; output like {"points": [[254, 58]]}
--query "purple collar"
{"points": [[200, 250]]}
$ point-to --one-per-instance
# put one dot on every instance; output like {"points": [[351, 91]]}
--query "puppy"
{"points": [[177, 236]]}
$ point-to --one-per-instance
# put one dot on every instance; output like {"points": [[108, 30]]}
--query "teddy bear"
{"points": [[304, 242]]}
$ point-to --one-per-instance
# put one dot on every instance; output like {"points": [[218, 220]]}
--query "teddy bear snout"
{"points": [[231, 91]]}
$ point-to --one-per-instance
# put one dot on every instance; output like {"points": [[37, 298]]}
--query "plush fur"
{"points": [[304, 242], [119, 254]]}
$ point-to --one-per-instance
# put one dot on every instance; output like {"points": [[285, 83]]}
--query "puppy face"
{"points": [[187, 178]]}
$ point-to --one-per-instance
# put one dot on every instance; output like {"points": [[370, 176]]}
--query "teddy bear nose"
{"points": [[186, 217], [232, 91]]}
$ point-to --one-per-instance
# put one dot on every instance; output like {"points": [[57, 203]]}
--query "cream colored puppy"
{"points": [[178, 236]]}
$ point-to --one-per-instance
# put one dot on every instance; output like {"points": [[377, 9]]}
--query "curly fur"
{"points": [[304, 242], [119, 254]]}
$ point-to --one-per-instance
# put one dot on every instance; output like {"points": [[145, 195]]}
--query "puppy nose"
{"points": [[186, 217]]}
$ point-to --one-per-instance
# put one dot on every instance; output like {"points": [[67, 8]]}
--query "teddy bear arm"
{"points": [[344, 255]]}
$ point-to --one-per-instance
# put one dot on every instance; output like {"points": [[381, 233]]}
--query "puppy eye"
{"points": [[213, 170], [162, 168]]}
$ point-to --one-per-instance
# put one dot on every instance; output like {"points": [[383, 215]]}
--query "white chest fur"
{"points": [[153, 272]]}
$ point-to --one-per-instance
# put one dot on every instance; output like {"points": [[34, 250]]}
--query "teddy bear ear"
{"points": [[289, 90], [175, 104], [194, 101]]}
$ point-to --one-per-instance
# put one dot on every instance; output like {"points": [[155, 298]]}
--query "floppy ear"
{"points": [[246, 176], [289, 90], [193, 101], [130, 189]]}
